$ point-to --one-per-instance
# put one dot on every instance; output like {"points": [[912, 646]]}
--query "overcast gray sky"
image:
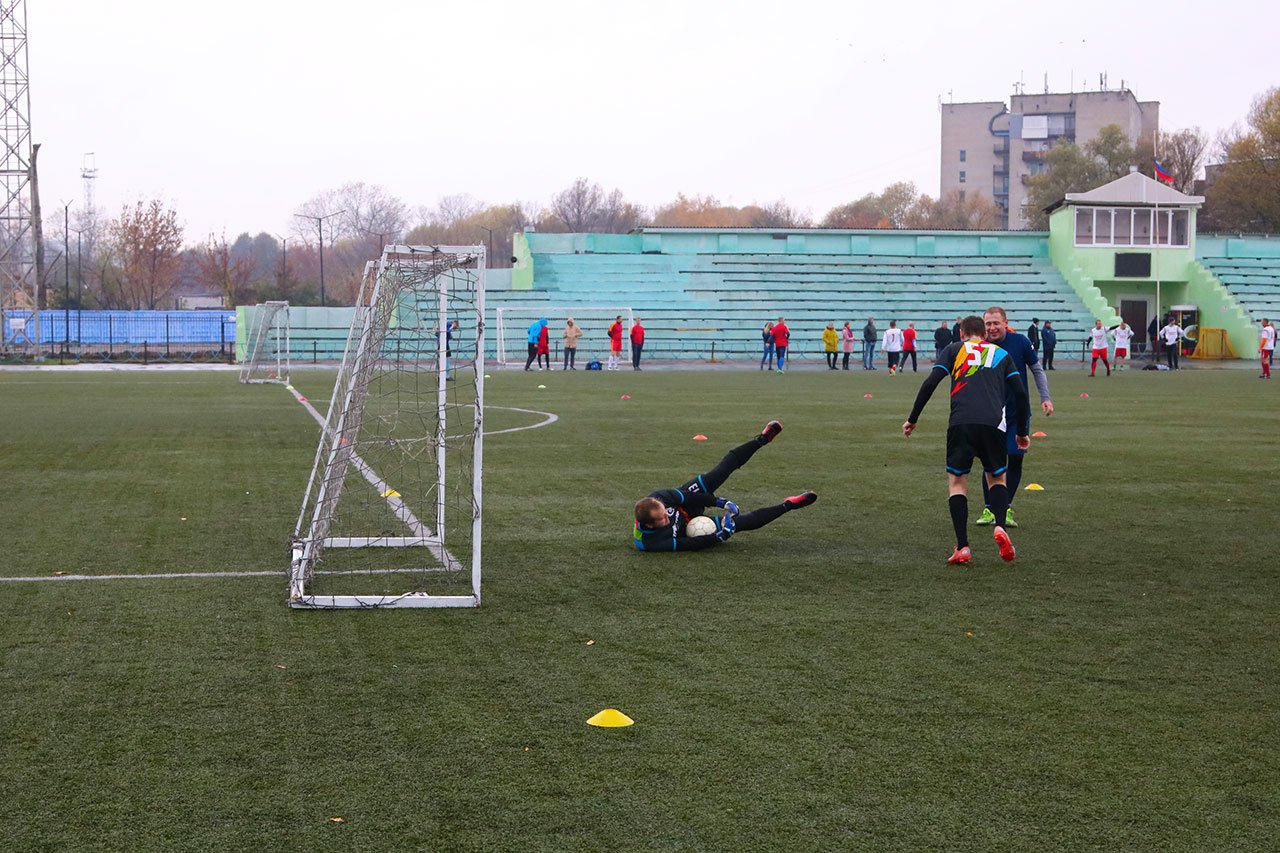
{"points": [[236, 112]]}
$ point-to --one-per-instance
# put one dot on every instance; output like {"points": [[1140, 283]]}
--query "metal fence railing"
{"points": [[142, 336]]}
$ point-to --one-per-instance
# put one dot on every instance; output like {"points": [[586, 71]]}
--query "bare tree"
{"points": [[146, 241], [217, 266], [1182, 153], [585, 206]]}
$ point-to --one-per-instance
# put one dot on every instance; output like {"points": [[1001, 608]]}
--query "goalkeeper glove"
{"points": [[726, 504], [727, 527]]}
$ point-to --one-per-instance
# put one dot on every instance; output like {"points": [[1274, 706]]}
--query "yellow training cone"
{"points": [[1034, 487], [610, 718], [391, 493]]}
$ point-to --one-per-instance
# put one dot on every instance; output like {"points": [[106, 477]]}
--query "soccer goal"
{"points": [[512, 332], [391, 514], [267, 345]]}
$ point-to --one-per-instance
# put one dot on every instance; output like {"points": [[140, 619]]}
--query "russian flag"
{"points": [[1161, 174]]}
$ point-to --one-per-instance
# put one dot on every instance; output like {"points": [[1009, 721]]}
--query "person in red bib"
{"points": [[909, 347], [637, 344], [781, 337], [615, 343]]}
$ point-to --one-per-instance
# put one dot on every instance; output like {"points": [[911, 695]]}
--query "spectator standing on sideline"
{"points": [[1171, 337], [909, 347], [830, 338], [1266, 347], [941, 339], [1033, 334], [892, 345], [572, 332], [544, 348], [535, 332], [637, 344], [869, 344], [615, 343], [1050, 338], [1122, 334], [981, 376], [767, 335], [846, 336], [955, 332], [781, 340], [1098, 343], [1153, 337]]}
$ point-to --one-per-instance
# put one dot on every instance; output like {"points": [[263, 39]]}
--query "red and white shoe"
{"points": [[1007, 552], [960, 555], [770, 431]]}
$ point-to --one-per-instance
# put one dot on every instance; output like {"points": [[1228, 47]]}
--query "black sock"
{"points": [[1013, 476], [959, 505], [1000, 503]]}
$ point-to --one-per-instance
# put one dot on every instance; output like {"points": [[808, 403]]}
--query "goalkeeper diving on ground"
{"points": [[663, 517]]}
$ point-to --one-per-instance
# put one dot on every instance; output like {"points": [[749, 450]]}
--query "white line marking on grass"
{"points": [[281, 573]]}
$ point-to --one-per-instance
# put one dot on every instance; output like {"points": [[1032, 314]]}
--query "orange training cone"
{"points": [[1083, 394], [1039, 435], [699, 437], [626, 396], [866, 396]]}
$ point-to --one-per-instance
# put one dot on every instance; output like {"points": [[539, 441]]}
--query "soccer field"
{"points": [[825, 683]]}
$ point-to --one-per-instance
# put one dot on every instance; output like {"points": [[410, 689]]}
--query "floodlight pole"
{"points": [[319, 220], [66, 277], [284, 265], [79, 284]]}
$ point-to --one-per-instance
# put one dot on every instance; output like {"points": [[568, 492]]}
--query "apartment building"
{"points": [[993, 149]]}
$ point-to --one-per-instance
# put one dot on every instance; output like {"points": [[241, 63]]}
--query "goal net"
{"points": [[512, 331], [267, 345], [391, 514]]}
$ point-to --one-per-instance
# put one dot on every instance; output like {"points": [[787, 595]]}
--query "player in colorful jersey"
{"points": [[981, 374], [661, 517], [1098, 343]]}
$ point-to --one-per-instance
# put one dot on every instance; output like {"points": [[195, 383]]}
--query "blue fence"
{"points": [[179, 335]]}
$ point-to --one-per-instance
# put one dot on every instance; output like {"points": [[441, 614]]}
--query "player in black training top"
{"points": [[661, 517], [981, 373]]}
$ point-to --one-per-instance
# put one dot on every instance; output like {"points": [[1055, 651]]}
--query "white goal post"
{"points": [[267, 345], [512, 328], [391, 516]]}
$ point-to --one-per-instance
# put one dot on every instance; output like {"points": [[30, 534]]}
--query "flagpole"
{"points": [[1155, 155]]}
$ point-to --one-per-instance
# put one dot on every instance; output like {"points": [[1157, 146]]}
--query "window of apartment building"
{"points": [[962, 155], [962, 176], [1131, 226]]}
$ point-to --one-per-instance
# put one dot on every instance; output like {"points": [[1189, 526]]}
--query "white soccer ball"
{"points": [[700, 525]]}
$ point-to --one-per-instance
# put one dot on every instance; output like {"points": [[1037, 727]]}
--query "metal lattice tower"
{"points": [[17, 239]]}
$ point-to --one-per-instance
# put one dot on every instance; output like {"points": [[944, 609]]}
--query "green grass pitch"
{"points": [[826, 683]]}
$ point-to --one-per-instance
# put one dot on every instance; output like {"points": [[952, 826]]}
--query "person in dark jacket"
{"points": [[1050, 339], [1033, 334], [941, 340]]}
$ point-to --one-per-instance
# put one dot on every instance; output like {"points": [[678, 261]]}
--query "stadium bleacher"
{"points": [[690, 302], [1254, 281]]}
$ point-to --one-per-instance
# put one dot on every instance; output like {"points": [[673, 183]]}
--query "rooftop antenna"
{"points": [[1046, 82]]}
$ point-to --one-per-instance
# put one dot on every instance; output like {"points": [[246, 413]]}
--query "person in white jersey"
{"points": [[1122, 334], [1266, 347], [892, 345], [1098, 342], [1172, 337]]}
